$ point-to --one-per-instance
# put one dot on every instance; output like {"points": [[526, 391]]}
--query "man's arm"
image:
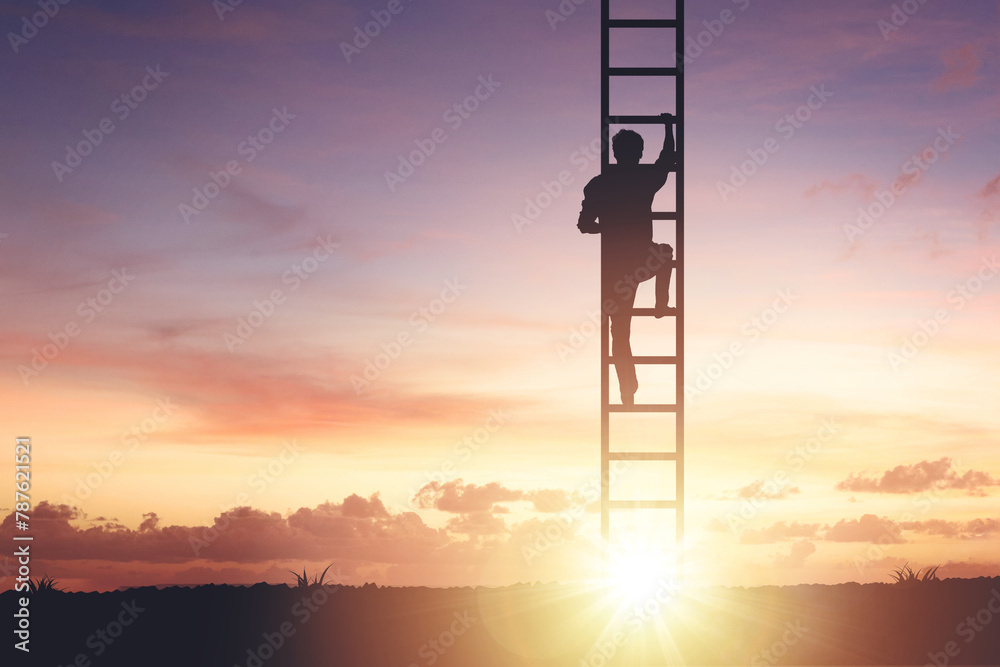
{"points": [[587, 224], [668, 156]]}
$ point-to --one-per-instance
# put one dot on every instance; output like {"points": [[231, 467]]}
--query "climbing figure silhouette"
{"points": [[618, 206]]}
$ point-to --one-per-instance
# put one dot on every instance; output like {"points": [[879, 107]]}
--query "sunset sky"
{"points": [[227, 315]]}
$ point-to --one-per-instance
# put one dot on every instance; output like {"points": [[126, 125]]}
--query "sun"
{"points": [[641, 573]]}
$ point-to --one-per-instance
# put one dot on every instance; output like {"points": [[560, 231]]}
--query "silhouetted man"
{"points": [[618, 206]]}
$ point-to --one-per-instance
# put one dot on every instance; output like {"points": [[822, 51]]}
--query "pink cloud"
{"points": [[796, 557], [992, 188], [990, 194], [717, 526], [779, 532], [968, 569], [245, 394], [961, 68], [358, 528], [360, 537], [552, 501], [461, 498], [762, 489], [921, 476], [481, 524], [974, 529], [869, 528], [197, 22], [862, 185]]}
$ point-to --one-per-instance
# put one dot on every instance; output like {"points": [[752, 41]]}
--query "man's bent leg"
{"points": [[664, 255]]}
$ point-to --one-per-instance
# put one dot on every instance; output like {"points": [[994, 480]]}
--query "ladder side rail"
{"points": [[605, 317], [680, 256]]}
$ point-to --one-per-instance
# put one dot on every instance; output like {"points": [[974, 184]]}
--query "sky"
{"points": [[279, 294]]}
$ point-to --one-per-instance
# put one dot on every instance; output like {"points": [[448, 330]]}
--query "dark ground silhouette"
{"points": [[541, 625]]}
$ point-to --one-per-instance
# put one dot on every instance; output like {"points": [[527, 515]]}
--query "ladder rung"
{"points": [[638, 120], [664, 215], [642, 71], [642, 504], [642, 456], [642, 166], [648, 312], [649, 360], [651, 407], [642, 23]]}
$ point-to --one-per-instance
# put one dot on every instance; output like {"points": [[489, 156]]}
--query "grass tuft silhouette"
{"points": [[45, 584], [906, 574], [302, 580]]}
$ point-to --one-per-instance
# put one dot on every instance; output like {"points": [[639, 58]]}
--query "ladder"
{"points": [[655, 75]]}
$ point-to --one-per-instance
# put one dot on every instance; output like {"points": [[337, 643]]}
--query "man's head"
{"points": [[627, 146]]}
